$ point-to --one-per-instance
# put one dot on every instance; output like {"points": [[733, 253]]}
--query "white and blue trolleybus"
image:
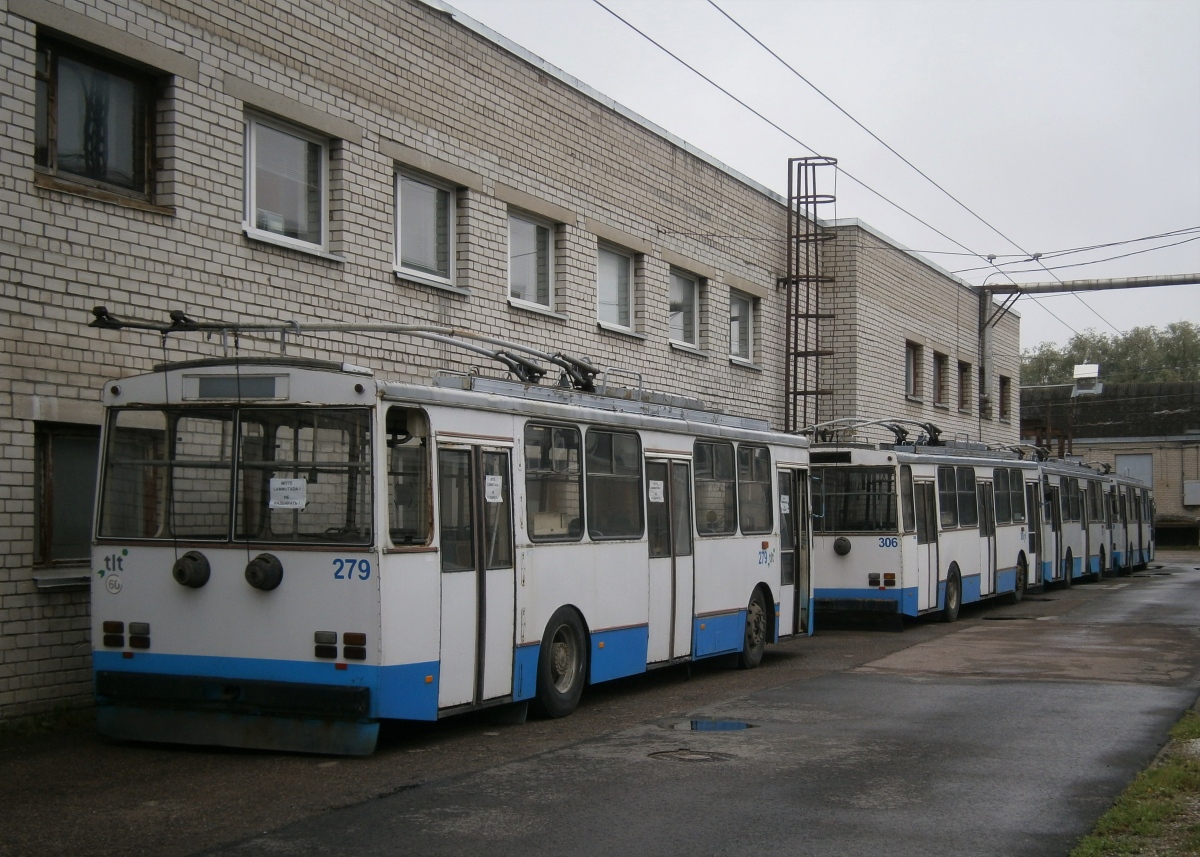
{"points": [[289, 551]]}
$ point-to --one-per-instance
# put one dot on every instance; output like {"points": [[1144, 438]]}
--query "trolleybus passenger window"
{"points": [[1003, 502], [304, 475], [855, 499], [408, 477], [947, 497], [614, 485], [907, 511], [716, 497], [754, 488], [968, 509], [1016, 494], [553, 492]]}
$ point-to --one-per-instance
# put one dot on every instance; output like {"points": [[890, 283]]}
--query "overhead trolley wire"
{"points": [[782, 130]]}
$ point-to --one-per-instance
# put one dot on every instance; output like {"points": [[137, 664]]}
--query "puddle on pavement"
{"points": [[712, 726], [683, 754]]}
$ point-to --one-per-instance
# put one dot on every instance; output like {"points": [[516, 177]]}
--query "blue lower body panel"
{"points": [[525, 666], [970, 589], [323, 707], [719, 635], [618, 652], [1006, 580], [868, 600]]}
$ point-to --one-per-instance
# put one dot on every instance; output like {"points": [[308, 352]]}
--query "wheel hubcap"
{"points": [[756, 625], [563, 659]]}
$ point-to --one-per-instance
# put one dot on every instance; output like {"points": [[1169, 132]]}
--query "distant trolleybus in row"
{"points": [[290, 551], [921, 528]]}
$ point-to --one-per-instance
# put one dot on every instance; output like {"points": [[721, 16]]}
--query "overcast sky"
{"points": [[1061, 123]]}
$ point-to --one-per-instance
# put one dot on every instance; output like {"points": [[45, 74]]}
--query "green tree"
{"points": [[1143, 354]]}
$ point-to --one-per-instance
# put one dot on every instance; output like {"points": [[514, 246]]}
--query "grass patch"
{"points": [[1159, 813]]}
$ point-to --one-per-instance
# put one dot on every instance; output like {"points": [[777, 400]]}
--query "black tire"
{"points": [[1103, 565], [953, 597], [1068, 570], [754, 641], [1018, 594], [562, 664]]}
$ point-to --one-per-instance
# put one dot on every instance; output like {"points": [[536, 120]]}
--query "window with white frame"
{"points": [[685, 298], [94, 119], [913, 358], [286, 183], [741, 326], [614, 287], [424, 228], [530, 260]]}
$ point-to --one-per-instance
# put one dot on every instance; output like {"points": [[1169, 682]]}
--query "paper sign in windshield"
{"points": [[289, 493], [493, 489]]}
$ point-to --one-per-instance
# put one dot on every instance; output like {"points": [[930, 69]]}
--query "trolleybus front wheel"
{"points": [[562, 664], [953, 596], [755, 641]]}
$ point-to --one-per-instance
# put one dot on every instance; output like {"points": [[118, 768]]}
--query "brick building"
{"points": [[379, 162]]}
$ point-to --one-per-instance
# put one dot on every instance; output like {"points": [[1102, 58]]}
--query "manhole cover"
{"points": [[683, 754], [1009, 618], [713, 726], [1043, 600], [1154, 574]]}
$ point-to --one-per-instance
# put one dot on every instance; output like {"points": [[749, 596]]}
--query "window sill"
{"points": [[264, 237], [426, 280], [624, 331], [50, 182], [688, 348], [744, 363], [62, 579], [965, 411], [941, 407], [916, 400], [540, 309]]}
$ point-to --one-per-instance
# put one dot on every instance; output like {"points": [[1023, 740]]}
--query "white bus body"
{"points": [[289, 551], [918, 529]]}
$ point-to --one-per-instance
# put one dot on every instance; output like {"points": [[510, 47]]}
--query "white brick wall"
{"points": [[401, 74]]}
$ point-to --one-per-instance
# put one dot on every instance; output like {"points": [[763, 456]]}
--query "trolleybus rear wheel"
{"points": [[953, 596], [1022, 581], [755, 641], [562, 664]]}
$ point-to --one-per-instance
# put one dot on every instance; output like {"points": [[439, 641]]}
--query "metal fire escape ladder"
{"points": [[804, 280]]}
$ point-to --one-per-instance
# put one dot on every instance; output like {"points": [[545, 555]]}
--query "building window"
{"points": [[64, 487], [286, 195], [941, 379], [615, 287], [424, 229], [912, 370], [94, 119], [1005, 396], [530, 260], [741, 326], [685, 294], [964, 387]]}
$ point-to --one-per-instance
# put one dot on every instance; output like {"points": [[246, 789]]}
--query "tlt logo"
{"points": [[114, 562]]}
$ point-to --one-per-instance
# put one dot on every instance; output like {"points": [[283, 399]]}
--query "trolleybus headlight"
{"points": [[264, 572], [841, 546], [191, 570]]}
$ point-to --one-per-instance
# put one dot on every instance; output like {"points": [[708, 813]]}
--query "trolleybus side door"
{"points": [[1034, 542], [1054, 514], [672, 571], [478, 577], [987, 538], [925, 502], [794, 551]]}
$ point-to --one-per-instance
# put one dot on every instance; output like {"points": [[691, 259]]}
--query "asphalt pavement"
{"points": [[1008, 732]]}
